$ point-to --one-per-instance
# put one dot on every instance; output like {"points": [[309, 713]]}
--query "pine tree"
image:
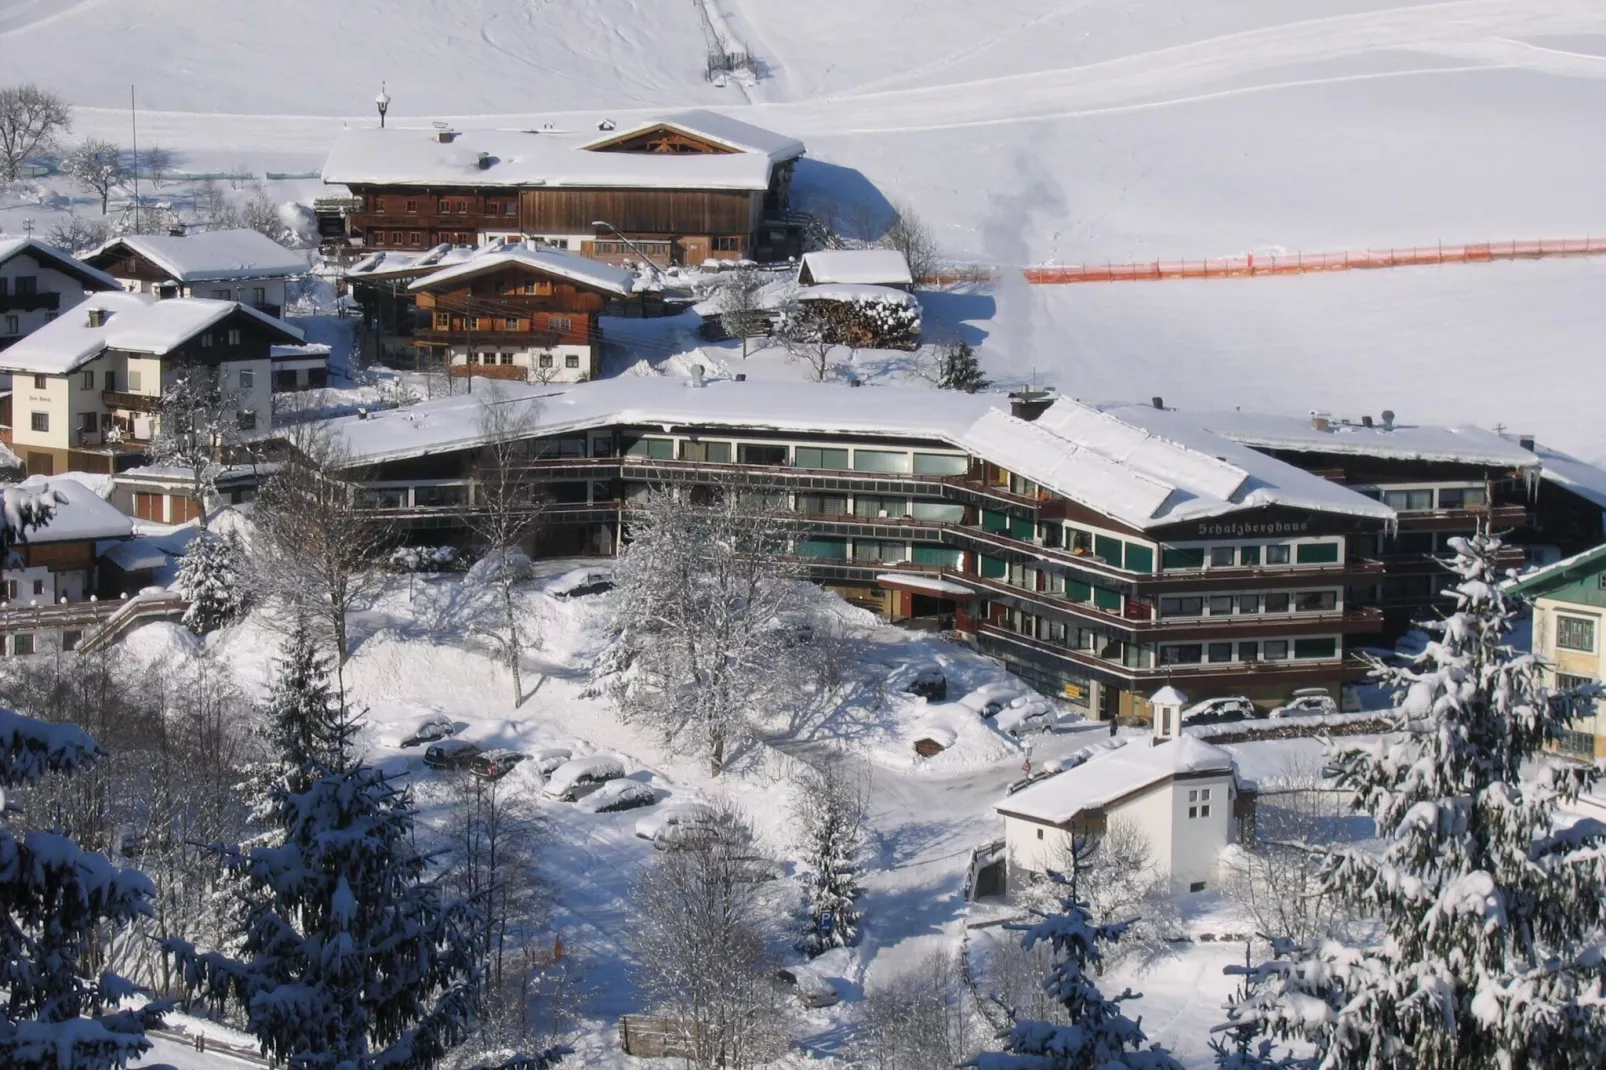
{"points": [[209, 577], [1100, 1036], [958, 369], [56, 899], [1491, 914], [306, 726], [830, 809]]}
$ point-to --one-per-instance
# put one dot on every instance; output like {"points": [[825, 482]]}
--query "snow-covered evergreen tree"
{"points": [[1492, 914], [1099, 1035], [305, 728], [830, 813], [958, 369], [350, 958], [209, 577], [57, 899]]}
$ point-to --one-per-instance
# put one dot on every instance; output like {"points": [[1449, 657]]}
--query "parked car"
{"points": [[617, 795], [669, 820], [808, 985], [1216, 710], [451, 754], [1307, 702], [495, 764], [930, 684], [579, 777], [547, 759], [428, 731]]}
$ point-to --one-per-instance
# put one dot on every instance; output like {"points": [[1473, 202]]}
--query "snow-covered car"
{"points": [[494, 764], [793, 629], [928, 683], [1307, 702], [810, 987], [428, 730], [578, 777], [581, 583], [451, 754], [663, 822], [1216, 710], [1024, 714], [547, 759], [617, 795]]}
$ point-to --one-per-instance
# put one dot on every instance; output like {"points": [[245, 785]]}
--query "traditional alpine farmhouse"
{"points": [[225, 265], [1182, 796], [38, 283], [1569, 626], [1097, 559], [87, 387], [681, 189]]}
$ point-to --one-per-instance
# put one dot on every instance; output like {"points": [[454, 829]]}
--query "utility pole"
{"points": [[133, 123]]}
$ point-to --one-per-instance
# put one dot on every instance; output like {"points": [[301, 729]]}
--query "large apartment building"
{"points": [[1095, 557], [681, 189]]}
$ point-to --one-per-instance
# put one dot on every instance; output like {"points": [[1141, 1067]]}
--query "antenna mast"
{"points": [[133, 122]]}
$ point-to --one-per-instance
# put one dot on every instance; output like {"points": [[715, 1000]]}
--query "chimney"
{"points": [[1321, 421], [1366, 421], [1166, 705], [1157, 401], [176, 230], [97, 317], [485, 161], [697, 375], [1526, 442], [741, 377], [1030, 404], [855, 382], [1388, 419], [362, 414], [446, 137]]}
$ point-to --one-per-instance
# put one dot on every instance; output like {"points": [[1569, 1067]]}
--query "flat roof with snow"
{"points": [[210, 256], [86, 515], [1113, 775], [875, 267]]}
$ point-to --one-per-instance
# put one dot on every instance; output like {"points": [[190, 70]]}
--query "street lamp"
{"points": [[604, 224], [382, 102]]}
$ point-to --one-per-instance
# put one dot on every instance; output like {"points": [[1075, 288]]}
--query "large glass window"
{"points": [[1220, 604], [715, 452], [1316, 601], [880, 461], [1461, 498], [1248, 651], [993, 568], [940, 512], [1408, 500], [931, 554], [659, 449], [1317, 553], [1249, 555], [1575, 633], [1181, 607], [1223, 556], [1315, 648], [823, 549], [755, 453], [823, 504], [1277, 555], [1277, 603], [940, 464], [1182, 557], [870, 505], [1185, 654], [1219, 652], [1276, 650], [820, 457], [1249, 603]]}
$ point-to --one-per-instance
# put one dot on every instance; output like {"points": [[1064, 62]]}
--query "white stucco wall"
{"points": [[1197, 842], [1031, 853], [49, 280]]}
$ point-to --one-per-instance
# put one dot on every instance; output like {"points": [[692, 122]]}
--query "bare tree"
{"points": [[919, 1020], [156, 162], [699, 916], [701, 596], [318, 541], [261, 214], [909, 235], [740, 309], [212, 208], [1119, 878], [98, 167], [31, 119], [75, 235], [507, 513], [197, 426], [805, 340]]}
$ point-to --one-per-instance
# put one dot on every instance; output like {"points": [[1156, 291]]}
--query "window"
{"points": [[11, 590], [87, 422], [245, 420], [512, 208], [1316, 601], [13, 325], [462, 207], [1219, 652], [822, 504], [879, 550], [1249, 555], [22, 644], [412, 206], [560, 323], [1276, 650], [941, 464], [1276, 603], [1249, 603], [70, 640], [754, 453], [1139, 558], [379, 204], [826, 549], [727, 245], [1184, 654], [221, 295], [259, 294], [1408, 500], [110, 379], [571, 361], [1462, 498], [510, 323], [1317, 553], [415, 239], [1181, 557], [1315, 648], [248, 378], [206, 340], [659, 449], [1039, 833], [1222, 556], [1108, 548], [1220, 604], [820, 457], [880, 461], [1276, 555], [133, 379], [41, 382], [39, 421], [507, 358], [1572, 633], [395, 237], [444, 206], [1248, 651], [546, 360], [1568, 682], [872, 505], [38, 586], [1181, 607], [89, 380]]}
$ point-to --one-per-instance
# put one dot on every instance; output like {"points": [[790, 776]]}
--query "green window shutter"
{"points": [[1174, 557], [1315, 648], [1024, 530], [1108, 548], [823, 549], [1317, 553], [1139, 558], [926, 553], [1077, 591], [993, 568], [991, 521], [1106, 599]]}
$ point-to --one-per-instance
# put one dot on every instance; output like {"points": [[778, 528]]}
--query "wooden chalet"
{"points": [[677, 190]]}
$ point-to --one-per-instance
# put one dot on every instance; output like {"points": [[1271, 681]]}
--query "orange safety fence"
{"points": [[1300, 263]]}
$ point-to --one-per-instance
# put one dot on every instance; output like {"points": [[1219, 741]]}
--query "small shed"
{"points": [[867, 267]]}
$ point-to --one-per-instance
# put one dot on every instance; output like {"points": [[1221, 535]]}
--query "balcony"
{"points": [[1499, 517], [118, 399], [34, 302], [462, 336]]}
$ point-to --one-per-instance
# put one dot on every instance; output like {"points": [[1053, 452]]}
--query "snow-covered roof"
{"points": [[1118, 469], [212, 255], [572, 266], [50, 256], [1579, 564], [85, 515], [400, 156], [137, 323], [1580, 477], [299, 352], [1465, 443], [857, 291], [1112, 775], [134, 555], [395, 264], [876, 267], [1168, 695]]}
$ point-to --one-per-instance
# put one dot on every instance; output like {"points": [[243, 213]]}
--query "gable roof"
{"points": [[137, 323], [49, 255], [86, 515], [876, 267], [1568, 569], [1112, 775], [210, 256], [578, 269], [734, 134]]}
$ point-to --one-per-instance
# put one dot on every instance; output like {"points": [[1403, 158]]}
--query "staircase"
{"points": [[141, 609]]}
